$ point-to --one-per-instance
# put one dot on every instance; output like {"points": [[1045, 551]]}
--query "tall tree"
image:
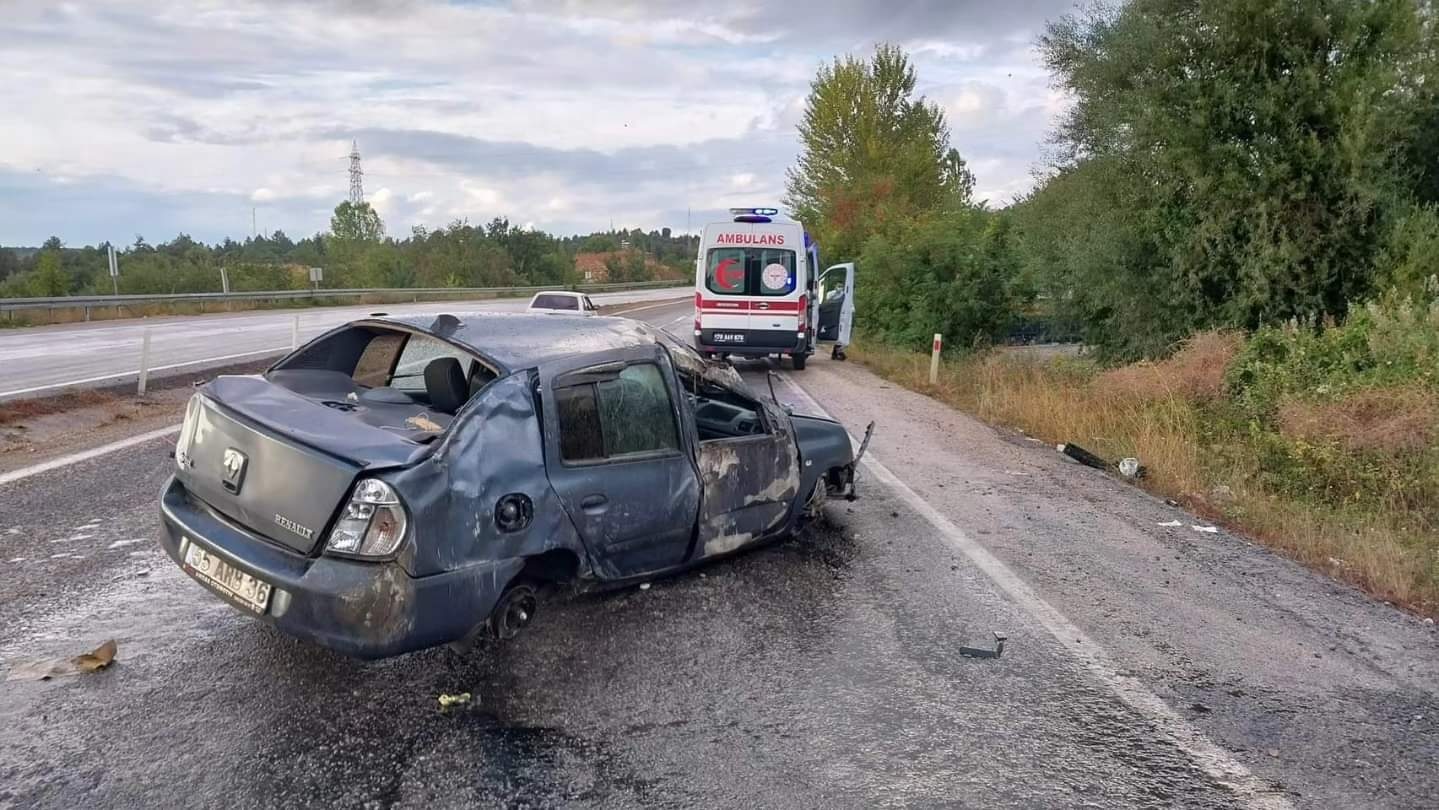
{"points": [[49, 278], [874, 155], [356, 222], [1253, 154]]}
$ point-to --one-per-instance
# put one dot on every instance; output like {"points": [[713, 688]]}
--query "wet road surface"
{"points": [[819, 671]]}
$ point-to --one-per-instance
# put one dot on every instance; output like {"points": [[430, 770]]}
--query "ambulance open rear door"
{"points": [[835, 320]]}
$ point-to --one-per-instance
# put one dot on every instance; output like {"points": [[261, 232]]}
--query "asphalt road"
{"points": [[1145, 667], [45, 357]]}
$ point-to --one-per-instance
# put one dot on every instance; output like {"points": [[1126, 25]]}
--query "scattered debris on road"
{"points": [[1171, 524], [93, 661], [453, 701], [980, 652], [1128, 467], [1205, 529]]}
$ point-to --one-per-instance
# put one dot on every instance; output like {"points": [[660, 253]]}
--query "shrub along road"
{"points": [[1146, 666]]}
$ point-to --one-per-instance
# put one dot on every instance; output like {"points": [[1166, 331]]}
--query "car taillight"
{"points": [[372, 524], [699, 299], [803, 315]]}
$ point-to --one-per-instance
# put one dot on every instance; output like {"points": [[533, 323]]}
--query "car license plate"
{"points": [[728, 337], [250, 592]]}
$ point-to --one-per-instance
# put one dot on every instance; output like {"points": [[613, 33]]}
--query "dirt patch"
{"points": [[36, 430]]}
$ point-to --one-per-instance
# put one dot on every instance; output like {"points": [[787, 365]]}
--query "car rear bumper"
{"points": [[755, 342], [363, 609]]}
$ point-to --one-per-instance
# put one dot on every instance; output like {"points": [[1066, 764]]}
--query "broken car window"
{"points": [[373, 368], [581, 438], [635, 412], [418, 352], [624, 415]]}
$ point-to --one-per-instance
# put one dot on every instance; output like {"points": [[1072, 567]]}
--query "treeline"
{"points": [[355, 253], [1234, 163]]}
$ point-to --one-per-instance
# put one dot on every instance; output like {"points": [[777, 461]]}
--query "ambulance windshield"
{"points": [[750, 271]]}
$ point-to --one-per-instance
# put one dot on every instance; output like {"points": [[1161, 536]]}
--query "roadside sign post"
{"points": [[317, 274], [295, 333], [114, 270], [934, 360], [144, 362]]}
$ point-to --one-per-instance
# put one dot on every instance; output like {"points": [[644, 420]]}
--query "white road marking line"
{"points": [[86, 455], [651, 306], [1216, 762], [123, 543], [123, 374]]}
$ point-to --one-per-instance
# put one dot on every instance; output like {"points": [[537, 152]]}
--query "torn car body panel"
{"points": [[390, 482]]}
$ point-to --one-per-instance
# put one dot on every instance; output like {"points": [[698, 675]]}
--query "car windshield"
{"points": [[550, 301]]}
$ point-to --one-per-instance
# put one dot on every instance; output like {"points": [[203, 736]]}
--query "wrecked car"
{"points": [[404, 482]]}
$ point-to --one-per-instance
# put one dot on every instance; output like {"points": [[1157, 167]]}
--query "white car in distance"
{"points": [[572, 303]]}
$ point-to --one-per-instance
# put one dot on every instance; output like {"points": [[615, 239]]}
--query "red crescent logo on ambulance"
{"points": [[727, 275]]}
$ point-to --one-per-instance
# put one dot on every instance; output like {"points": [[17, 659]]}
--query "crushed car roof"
{"points": [[519, 340]]}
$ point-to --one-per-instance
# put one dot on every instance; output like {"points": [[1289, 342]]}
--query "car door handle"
{"points": [[594, 503]]}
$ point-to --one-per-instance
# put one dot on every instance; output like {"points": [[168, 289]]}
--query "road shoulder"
{"points": [[1263, 655]]}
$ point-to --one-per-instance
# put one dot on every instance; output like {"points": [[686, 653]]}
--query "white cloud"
{"points": [[566, 113]]}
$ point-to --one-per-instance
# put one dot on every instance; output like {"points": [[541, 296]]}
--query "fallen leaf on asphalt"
{"points": [[97, 659], [93, 661]]}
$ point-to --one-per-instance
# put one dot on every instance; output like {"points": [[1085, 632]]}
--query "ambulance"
{"points": [[758, 290]]}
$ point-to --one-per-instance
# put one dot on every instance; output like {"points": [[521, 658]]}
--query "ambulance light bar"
{"points": [[753, 214]]}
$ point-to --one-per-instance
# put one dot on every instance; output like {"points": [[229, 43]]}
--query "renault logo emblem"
{"points": [[233, 470]]}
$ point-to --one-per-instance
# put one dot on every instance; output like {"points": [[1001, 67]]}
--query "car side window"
{"points": [[628, 414]]}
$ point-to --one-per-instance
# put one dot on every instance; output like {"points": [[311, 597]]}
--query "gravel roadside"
{"points": [[1315, 685]]}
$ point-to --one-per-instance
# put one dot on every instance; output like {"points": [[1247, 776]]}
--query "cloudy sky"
{"points": [[129, 117]]}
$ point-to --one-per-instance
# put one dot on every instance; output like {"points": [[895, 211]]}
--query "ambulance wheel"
{"points": [[798, 360], [836, 353]]}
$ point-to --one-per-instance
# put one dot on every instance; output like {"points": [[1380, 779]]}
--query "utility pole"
{"points": [[253, 231], [357, 187]]}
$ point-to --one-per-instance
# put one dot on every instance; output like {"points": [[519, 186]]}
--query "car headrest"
{"points": [[445, 384]]}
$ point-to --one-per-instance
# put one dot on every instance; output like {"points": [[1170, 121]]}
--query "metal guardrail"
{"points": [[12, 305]]}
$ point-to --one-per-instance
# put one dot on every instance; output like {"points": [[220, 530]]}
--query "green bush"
{"points": [[1390, 342], [954, 274]]}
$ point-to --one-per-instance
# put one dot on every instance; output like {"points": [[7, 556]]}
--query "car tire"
{"points": [[798, 360]]}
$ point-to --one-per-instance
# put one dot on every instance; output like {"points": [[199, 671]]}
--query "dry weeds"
{"points": [[1386, 420], [1158, 413]]}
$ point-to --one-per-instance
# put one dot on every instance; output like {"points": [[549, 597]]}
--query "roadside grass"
{"points": [[1347, 485]]}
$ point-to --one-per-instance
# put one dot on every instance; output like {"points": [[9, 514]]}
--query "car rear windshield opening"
{"points": [[556, 302], [750, 271]]}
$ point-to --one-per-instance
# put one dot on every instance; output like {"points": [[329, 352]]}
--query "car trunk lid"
{"points": [[276, 462]]}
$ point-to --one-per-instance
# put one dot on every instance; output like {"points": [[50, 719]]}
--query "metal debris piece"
{"points": [[451, 701], [980, 652], [1128, 467], [1083, 456]]}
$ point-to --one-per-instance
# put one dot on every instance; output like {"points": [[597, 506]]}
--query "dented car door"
{"points": [[620, 463], [750, 481]]}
